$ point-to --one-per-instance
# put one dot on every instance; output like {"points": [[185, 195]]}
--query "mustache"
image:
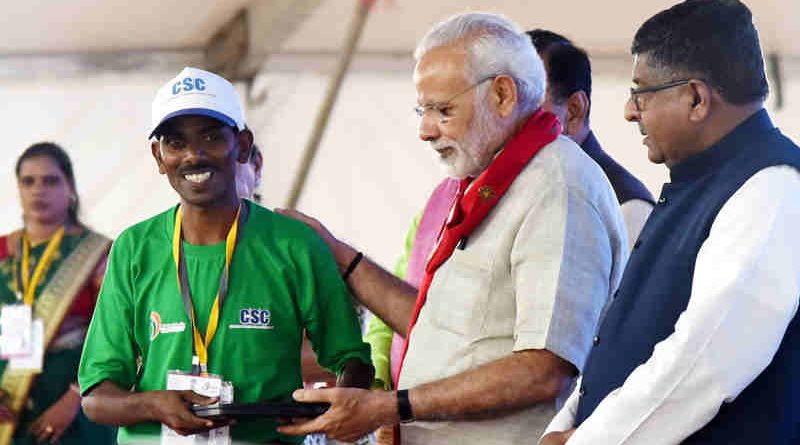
{"points": [[443, 143], [197, 168]]}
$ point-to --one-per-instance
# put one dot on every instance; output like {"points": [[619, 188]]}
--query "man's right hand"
{"points": [[342, 253], [108, 404], [353, 413], [172, 409]]}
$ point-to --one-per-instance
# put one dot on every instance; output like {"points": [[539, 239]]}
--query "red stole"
{"points": [[470, 208]]}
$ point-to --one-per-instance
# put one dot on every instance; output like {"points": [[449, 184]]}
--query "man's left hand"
{"points": [[50, 426], [353, 413], [557, 437]]}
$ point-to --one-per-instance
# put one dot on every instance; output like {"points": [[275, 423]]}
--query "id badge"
{"points": [[35, 360], [209, 386], [16, 331]]}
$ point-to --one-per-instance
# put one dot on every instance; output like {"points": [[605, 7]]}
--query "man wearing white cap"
{"points": [[208, 301]]}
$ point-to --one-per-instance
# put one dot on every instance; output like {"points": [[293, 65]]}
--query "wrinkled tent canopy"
{"points": [[80, 26], [82, 73]]}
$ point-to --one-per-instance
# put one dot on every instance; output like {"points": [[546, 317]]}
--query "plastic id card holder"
{"points": [[35, 360], [16, 331], [21, 338], [209, 386]]}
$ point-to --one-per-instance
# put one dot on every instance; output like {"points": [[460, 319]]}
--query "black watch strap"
{"points": [[404, 406]]}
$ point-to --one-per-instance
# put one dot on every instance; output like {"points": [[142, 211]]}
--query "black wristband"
{"points": [[352, 266], [404, 406]]}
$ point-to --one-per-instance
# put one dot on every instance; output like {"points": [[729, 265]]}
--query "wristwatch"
{"points": [[404, 407]]}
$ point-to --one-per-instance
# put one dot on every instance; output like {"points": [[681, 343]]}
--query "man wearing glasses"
{"points": [[701, 344], [528, 256]]}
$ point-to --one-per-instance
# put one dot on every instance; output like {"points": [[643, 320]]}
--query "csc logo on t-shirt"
{"points": [[254, 318]]}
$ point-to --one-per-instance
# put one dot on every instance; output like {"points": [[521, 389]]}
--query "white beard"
{"points": [[475, 151]]}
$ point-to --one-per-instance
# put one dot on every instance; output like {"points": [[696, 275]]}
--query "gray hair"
{"points": [[495, 45]]}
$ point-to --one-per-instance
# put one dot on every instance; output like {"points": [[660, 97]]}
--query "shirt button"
{"points": [[596, 340], [582, 391], [662, 200]]}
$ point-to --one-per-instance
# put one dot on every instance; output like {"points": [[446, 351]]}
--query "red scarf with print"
{"points": [[471, 207]]}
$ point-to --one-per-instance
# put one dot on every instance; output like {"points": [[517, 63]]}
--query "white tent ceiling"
{"points": [[601, 26], [82, 73], [78, 26]]}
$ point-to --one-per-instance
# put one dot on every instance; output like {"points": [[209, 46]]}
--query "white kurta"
{"points": [[744, 294], [535, 274]]}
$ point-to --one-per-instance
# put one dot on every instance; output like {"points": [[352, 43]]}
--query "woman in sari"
{"points": [[53, 265]]}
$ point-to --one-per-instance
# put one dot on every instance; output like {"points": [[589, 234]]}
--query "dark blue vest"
{"points": [[657, 282], [625, 185]]}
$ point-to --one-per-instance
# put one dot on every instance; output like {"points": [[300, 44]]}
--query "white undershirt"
{"points": [[744, 294], [635, 212]]}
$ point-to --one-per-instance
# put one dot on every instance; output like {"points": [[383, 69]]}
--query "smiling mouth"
{"points": [[197, 178]]}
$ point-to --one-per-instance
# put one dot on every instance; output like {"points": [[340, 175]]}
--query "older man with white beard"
{"points": [[533, 246]]}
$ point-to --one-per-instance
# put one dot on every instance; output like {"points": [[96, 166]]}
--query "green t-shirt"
{"points": [[283, 279]]}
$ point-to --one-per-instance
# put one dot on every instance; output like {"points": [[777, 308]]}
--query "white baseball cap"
{"points": [[197, 92]]}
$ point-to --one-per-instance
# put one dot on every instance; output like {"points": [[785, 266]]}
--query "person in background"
{"points": [[54, 266], [701, 344], [248, 176], [569, 96]]}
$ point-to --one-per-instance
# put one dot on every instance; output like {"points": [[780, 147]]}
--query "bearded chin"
{"points": [[476, 150], [483, 139]]}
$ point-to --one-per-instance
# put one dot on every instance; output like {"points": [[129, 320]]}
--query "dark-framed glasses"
{"points": [[635, 92], [442, 110]]}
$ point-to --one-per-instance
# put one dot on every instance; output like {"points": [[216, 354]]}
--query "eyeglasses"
{"points": [[635, 92], [443, 110]]}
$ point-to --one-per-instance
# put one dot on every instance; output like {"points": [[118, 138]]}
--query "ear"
{"points": [[699, 100], [245, 140], [155, 149], [577, 112], [503, 95]]}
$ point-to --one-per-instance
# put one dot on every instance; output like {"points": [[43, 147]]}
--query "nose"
{"points": [[428, 127], [196, 150], [630, 112], [38, 187]]}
